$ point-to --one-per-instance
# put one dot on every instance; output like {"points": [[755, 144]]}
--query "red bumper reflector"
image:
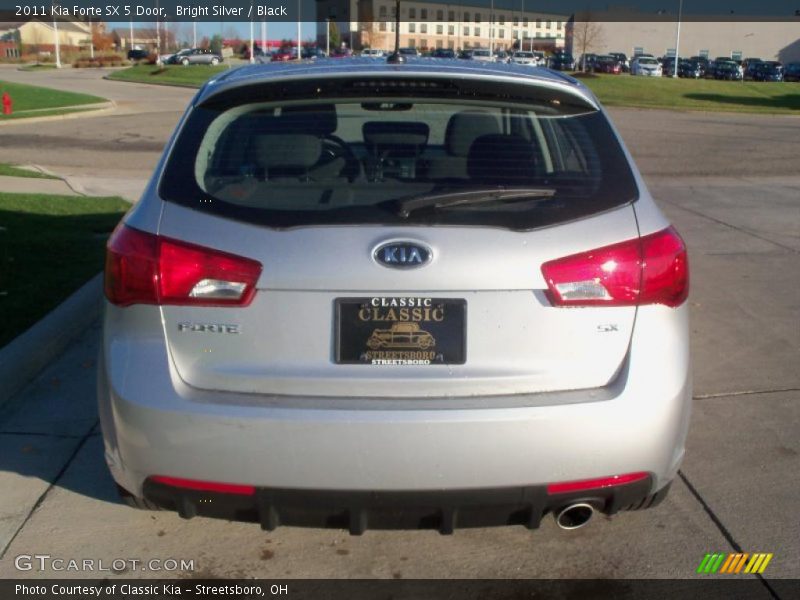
{"points": [[205, 486], [594, 484]]}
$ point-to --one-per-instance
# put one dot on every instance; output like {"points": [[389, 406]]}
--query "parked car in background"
{"points": [[691, 69], [491, 327], [768, 71], [728, 70], [312, 53], [138, 54], [668, 66], [284, 54], [561, 61], [622, 59], [373, 53], [465, 54], [749, 66], [408, 51], [443, 53], [704, 63], [522, 57], [586, 61], [646, 66], [482, 54], [792, 72], [607, 64], [194, 56], [501, 56]]}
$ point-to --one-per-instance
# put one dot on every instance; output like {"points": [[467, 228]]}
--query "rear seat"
{"points": [[463, 129]]}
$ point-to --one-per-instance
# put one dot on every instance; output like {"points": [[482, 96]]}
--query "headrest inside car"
{"points": [[387, 135], [501, 159], [287, 150], [314, 119], [465, 127]]}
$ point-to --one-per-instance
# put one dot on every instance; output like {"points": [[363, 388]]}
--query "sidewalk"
{"points": [[30, 185], [129, 189]]}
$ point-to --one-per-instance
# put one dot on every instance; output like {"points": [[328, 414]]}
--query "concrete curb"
{"points": [[30, 352], [81, 111]]}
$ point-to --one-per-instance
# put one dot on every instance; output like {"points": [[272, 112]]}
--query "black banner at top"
{"points": [[366, 11]]}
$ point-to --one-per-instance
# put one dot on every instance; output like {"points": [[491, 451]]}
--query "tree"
{"points": [[102, 42], [215, 44], [336, 39], [587, 35]]}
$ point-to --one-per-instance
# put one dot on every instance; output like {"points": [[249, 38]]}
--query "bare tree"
{"points": [[587, 35]]}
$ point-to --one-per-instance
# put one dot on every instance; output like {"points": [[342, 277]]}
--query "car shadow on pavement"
{"points": [[49, 433]]}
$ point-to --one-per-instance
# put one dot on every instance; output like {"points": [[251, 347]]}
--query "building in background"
{"points": [[631, 33], [144, 38], [39, 36], [429, 25]]}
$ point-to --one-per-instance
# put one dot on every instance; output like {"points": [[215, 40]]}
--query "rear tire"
{"points": [[135, 501]]}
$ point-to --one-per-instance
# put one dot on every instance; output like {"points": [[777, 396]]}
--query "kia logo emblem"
{"points": [[402, 255]]}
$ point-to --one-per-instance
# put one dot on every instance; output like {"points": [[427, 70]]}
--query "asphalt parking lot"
{"points": [[730, 184]]}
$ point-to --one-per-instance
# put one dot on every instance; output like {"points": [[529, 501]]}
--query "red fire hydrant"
{"points": [[8, 105]]}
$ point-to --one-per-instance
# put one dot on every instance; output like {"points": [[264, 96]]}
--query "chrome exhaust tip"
{"points": [[574, 516]]}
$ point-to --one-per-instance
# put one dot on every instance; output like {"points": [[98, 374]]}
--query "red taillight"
{"points": [[205, 486], [648, 270], [142, 268], [594, 484]]}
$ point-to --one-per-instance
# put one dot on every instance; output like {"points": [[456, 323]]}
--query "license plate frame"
{"points": [[400, 331]]}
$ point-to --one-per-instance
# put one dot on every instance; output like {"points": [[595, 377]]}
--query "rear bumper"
{"points": [[154, 424], [358, 511]]}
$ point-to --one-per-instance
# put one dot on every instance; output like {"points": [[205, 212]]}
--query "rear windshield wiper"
{"points": [[477, 196]]}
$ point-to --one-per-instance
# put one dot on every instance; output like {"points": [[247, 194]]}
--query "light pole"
{"points": [[328, 36], [194, 34], [264, 37], [158, 37], [491, 30], [58, 46], [252, 37], [299, 33], [131, 34], [678, 39]]}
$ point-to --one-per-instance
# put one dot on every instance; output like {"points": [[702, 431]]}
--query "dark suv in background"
{"points": [[768, 71], [792, 72], [562, 62], [137, 54]]}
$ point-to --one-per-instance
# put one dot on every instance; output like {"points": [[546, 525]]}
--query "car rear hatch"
{"points": [[353, 290], [288, 339]]}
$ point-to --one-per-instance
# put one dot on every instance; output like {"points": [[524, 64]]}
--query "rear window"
{"points": [[380, 158]]}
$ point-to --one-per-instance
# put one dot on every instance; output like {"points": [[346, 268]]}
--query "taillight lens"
{"points": [[594, 484], [205, 486], [648, 270], [142, 268]]}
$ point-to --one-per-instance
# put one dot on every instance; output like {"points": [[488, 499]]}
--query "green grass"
{"points": [[12, 171], [49, 247], [32, 97], [701, 94], [190, 76]]}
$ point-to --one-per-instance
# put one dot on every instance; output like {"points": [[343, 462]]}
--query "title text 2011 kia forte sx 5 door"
{"points": [[395, 296]]}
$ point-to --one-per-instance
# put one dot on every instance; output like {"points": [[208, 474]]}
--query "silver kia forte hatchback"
{"points": [[426, 295]]}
